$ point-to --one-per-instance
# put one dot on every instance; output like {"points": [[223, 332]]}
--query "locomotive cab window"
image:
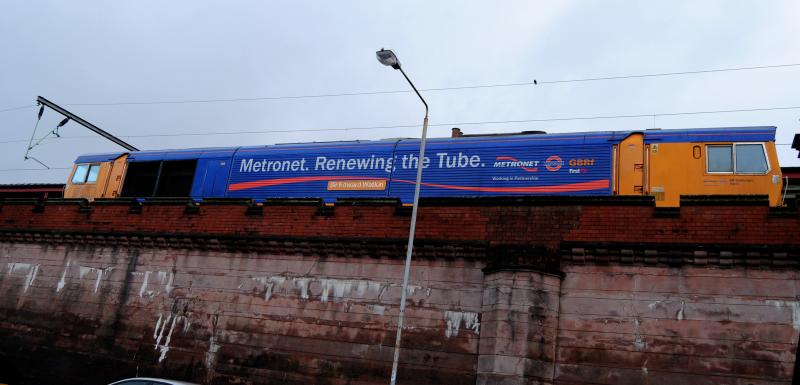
{"points": [[86, 173], [740, 158]]}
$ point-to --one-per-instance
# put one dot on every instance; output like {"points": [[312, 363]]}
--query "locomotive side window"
{"points": [[140, 179], [720, 158], [176, 178], [86, 173], [750, 159], [740, 158], [171, 178]]}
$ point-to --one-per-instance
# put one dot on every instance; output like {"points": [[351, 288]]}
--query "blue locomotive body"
{"points": [[491, 165]]}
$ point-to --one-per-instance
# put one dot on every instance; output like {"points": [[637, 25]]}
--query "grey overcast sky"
{"points": [[79, 52]]}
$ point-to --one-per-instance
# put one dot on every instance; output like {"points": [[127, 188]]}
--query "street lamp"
{"points": [[388, 58]]}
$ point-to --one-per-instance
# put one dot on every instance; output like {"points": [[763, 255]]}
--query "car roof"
{"points": [[162, 380]]}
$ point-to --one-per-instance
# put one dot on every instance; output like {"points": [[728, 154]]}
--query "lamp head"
{"points": [[388, 58]]}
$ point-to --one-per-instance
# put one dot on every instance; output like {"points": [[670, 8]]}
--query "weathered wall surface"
{"points": [[656, 325], [519, 328], [224, 315], [513, 291]]}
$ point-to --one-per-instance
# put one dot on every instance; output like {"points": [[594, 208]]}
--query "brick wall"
{"points": [[518, 291]]}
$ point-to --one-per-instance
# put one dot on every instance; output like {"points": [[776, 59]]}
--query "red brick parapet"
{"points": [[536, 222]]}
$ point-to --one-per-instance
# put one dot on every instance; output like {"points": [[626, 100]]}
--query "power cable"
{"points": [[668, 74], [496, 85], [453, 124], [35, 169], [17, 108]]}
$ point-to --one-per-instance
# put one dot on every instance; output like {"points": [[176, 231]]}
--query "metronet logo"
{"points": [[553, 163], [511, 162]]}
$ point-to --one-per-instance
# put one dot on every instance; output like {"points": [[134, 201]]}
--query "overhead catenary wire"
{"points": [[17, 108], [35, 169], [452, 124], [94, 137], [668, 74], [466, 87]]}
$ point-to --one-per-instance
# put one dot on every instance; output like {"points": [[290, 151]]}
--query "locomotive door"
{"points": [[214, 178], [631, 176], [113, 184]]}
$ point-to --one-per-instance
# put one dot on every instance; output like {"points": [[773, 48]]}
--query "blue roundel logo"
{"points": [[553, 163]]}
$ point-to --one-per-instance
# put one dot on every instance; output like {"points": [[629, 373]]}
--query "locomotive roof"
{"points": [[719, 134], [93, 158]]}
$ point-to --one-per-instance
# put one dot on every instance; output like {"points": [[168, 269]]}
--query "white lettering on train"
{"points": [[389, 164], [458, 161], [517, 163], [323, 163], [251, 165]]}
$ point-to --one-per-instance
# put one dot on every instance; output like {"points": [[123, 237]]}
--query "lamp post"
{"points": [[388, 58]]}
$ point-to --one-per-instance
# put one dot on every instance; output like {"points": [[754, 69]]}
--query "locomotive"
{"points": [[664, 164]]}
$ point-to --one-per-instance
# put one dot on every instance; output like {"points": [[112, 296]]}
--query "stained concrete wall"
{"points": [[515, 293], [519, 323], [660, 325], [221, 316]]}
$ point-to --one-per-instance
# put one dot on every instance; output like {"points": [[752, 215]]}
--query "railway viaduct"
{"points": [[503, 291]]}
